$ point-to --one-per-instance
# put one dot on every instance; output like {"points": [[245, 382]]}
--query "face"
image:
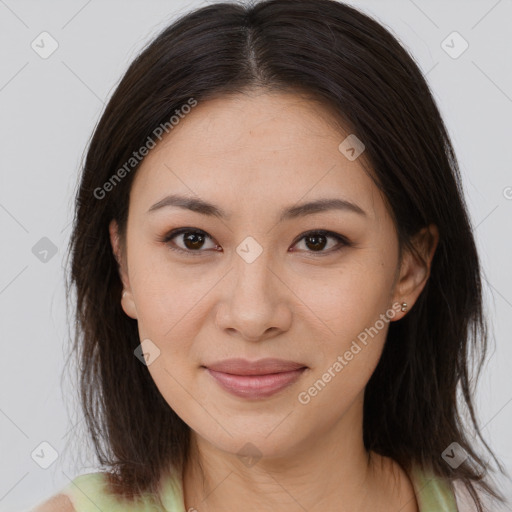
{"points": [[256, 276]]}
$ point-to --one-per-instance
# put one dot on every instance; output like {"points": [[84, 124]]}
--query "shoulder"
{"points": [[57, 503], [68, 499], [91, 492]]}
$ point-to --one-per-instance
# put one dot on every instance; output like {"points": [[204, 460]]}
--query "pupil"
{"points": [[316, 242], [190, 243]]}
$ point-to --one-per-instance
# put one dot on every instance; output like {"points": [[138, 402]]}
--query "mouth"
{"points": [[255, 380]]}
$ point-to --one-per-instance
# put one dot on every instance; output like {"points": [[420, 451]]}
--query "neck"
{"points": [[330, 471]]}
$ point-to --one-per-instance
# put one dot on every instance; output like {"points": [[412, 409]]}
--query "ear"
{"points": [[127, 302], [415, 269]]}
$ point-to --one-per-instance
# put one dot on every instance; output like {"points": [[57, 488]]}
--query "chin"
{"points": [[255, 443]]}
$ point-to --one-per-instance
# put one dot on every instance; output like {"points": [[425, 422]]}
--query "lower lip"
{"points": [[255, 386]]}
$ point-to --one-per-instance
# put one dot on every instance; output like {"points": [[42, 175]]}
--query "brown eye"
{"points": [[316, 241], [188, 240], [194, 241]]}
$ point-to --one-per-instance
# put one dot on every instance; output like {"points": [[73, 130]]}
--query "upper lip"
{"points": [[259, 367]]}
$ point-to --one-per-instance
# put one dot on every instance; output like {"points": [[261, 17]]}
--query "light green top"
{"points": [[88, 494]]}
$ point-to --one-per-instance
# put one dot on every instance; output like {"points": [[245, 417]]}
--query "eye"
{"points": [[193, 240], [316, 241]]}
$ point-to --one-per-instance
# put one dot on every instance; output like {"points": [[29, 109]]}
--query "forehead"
{"points": [[258, 149]]}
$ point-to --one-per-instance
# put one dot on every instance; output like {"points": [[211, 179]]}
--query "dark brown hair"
{"points": [[421, 391]]}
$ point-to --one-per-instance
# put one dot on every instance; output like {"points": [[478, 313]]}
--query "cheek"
{"points": [[171, 307], [345, 363], [169, 296], [350, 317], [344, 302]]}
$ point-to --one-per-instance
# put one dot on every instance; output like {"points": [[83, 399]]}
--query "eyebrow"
{"points": [[292, 212]]}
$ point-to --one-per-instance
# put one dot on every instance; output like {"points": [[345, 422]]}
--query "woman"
{"points": [[277, 283]]}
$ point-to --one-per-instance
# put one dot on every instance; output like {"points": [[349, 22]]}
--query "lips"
{"points": [[260, 367], [255, 380]]}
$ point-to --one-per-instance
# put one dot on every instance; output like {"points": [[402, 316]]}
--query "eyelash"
{"points": [[343, 241]]}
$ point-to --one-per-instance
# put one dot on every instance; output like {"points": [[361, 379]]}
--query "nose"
{"points": [[257, 306]]}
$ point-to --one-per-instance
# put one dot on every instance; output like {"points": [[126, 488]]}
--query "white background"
{"points": [[48, 109]]}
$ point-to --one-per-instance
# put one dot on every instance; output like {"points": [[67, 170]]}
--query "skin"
{"points": [[254, 154]]}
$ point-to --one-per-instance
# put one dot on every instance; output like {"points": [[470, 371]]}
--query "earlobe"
{"points": [[127, 302]]}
